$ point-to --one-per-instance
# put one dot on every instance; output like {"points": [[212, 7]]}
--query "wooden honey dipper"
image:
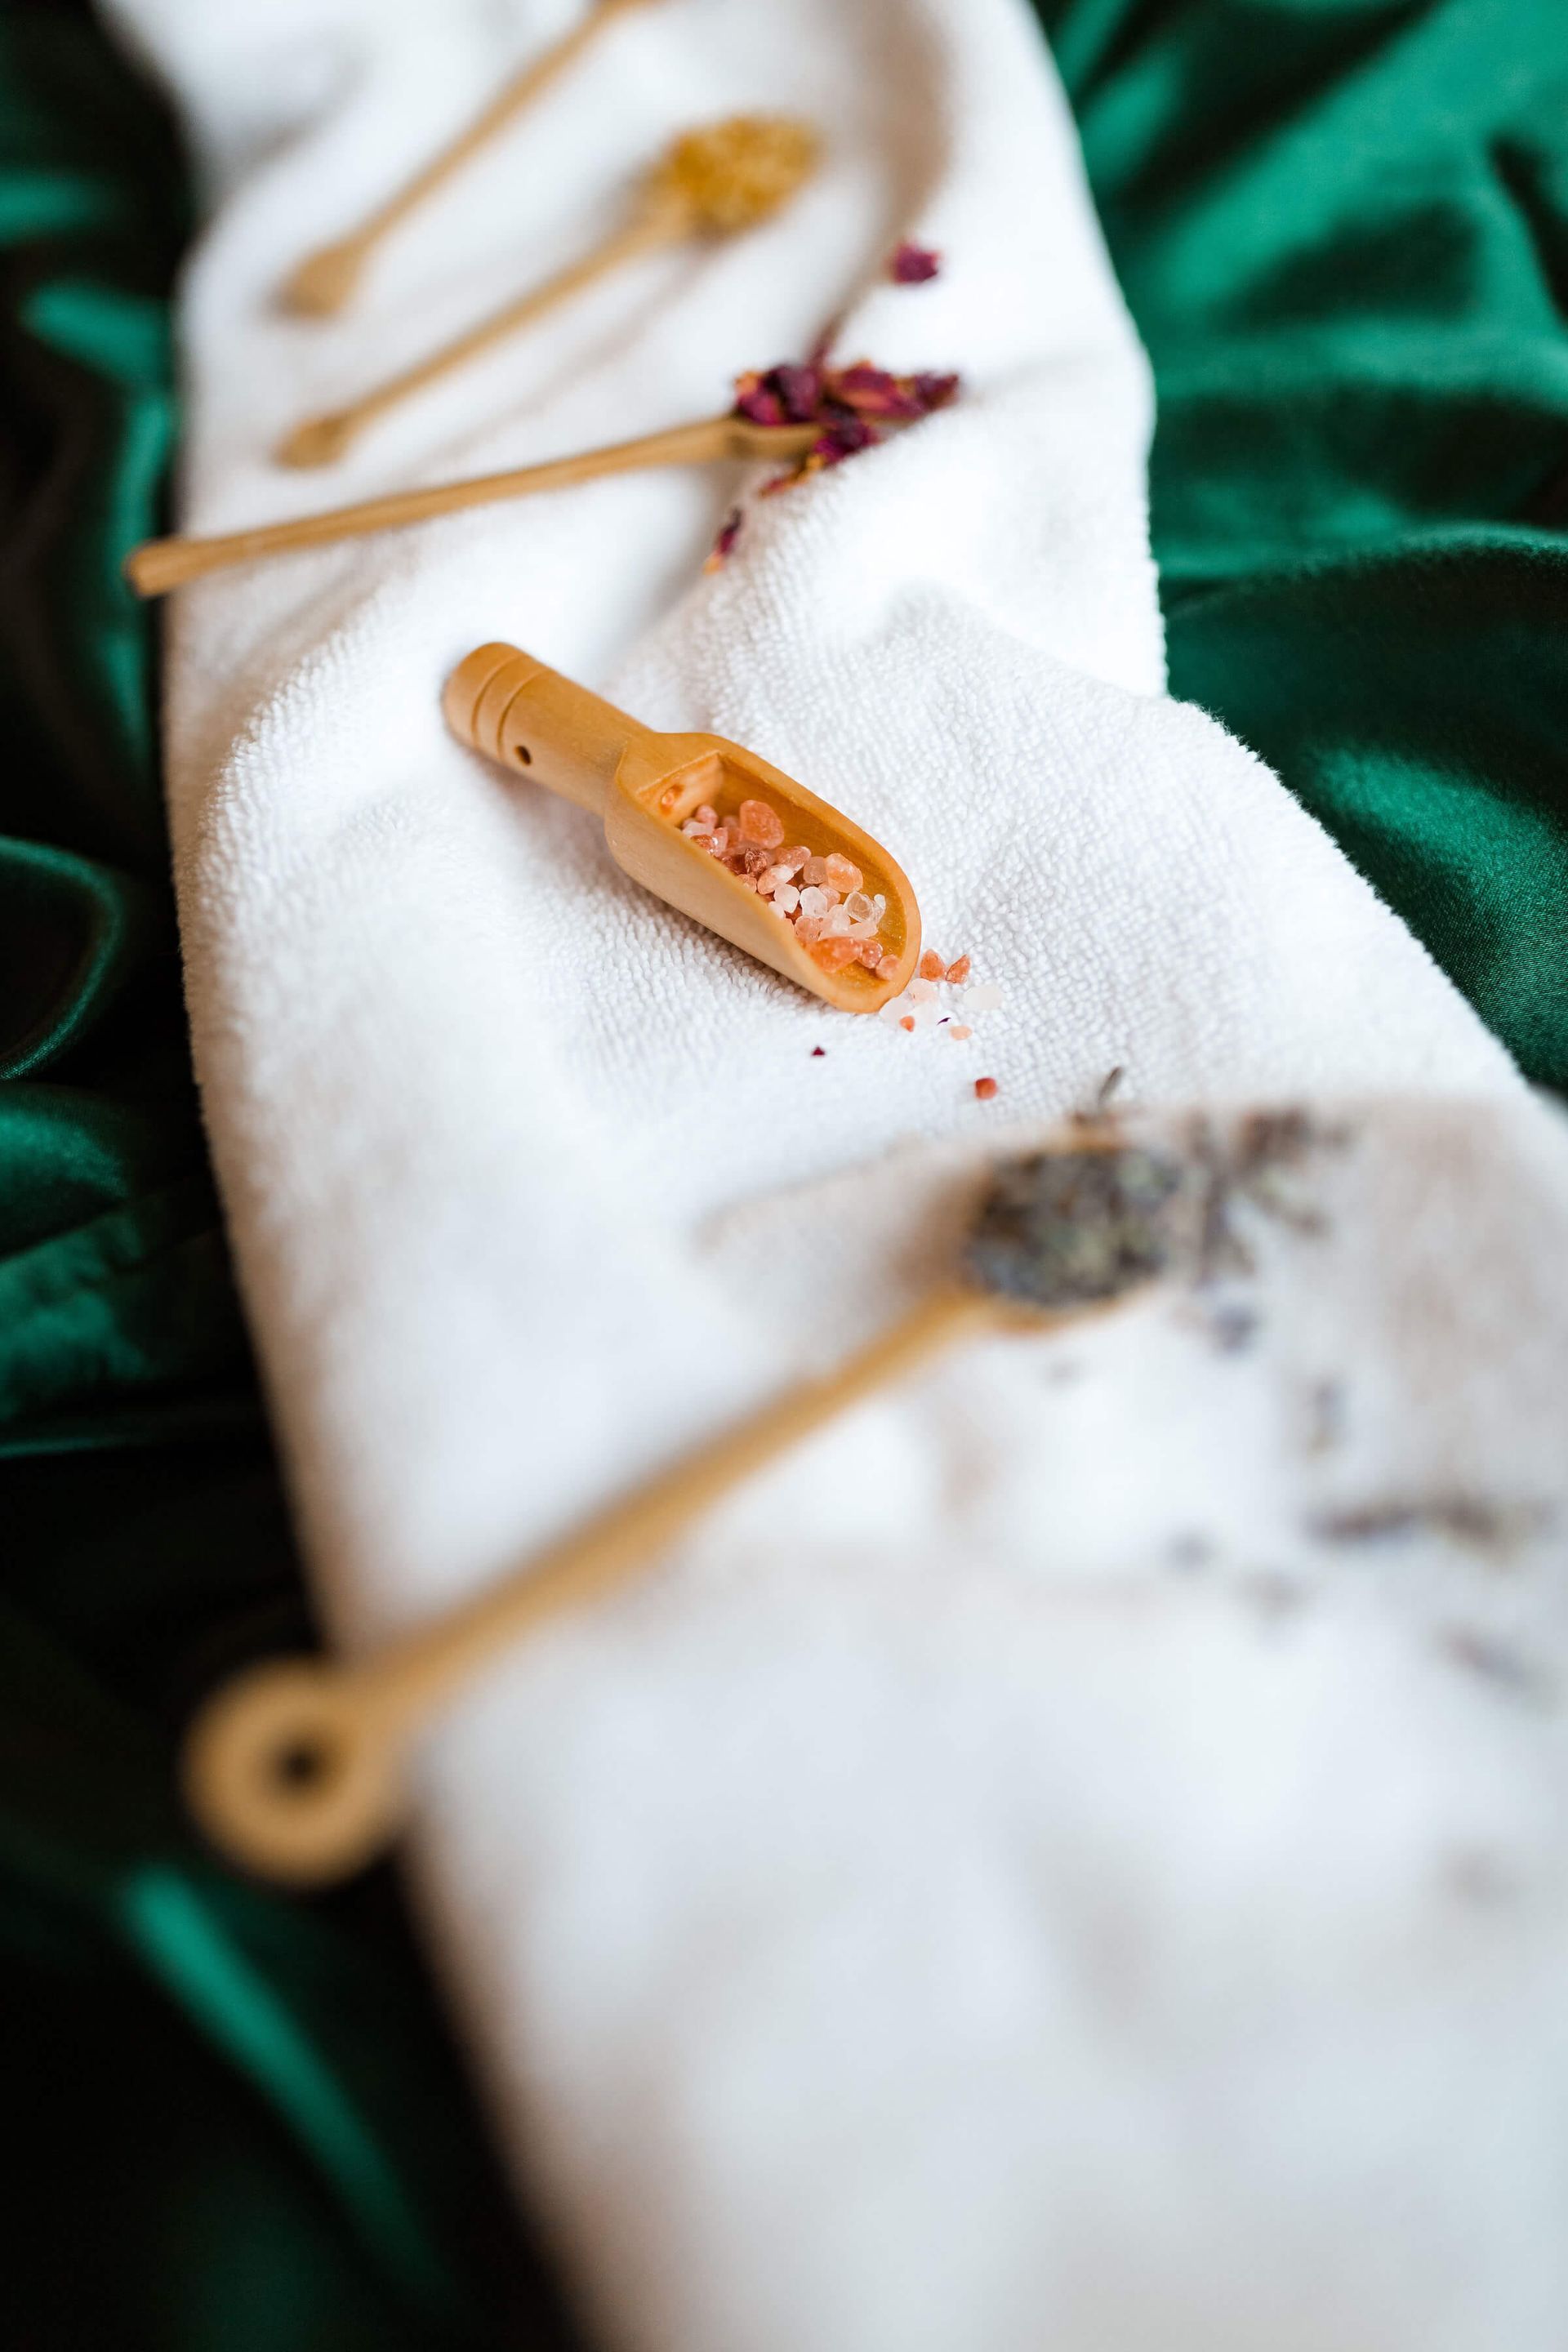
{"points": [[294, 1768], [715, 181], [644, 786], [326, 278]]}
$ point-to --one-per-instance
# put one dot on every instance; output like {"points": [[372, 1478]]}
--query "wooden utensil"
{"points": [[326, 278], [160, 565], [644, 786], [295, 1768], [714, 182]]}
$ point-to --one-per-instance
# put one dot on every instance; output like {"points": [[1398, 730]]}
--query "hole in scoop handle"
{"points": [[524, 715], [292, 1769]]}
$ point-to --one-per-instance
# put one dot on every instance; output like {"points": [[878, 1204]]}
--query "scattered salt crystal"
{"points": [[959, 1032], [985, 1089], [907, 1022], [987, 998], [922, 992], [926, 1015], [958, 971], [931, 965], [893, 1012], [841, 873]]}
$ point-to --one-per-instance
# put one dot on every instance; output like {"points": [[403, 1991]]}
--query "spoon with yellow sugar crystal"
{"points": [[715, 181]]}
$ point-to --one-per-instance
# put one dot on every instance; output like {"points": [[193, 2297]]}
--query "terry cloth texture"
{"points": [[439, 1141]]}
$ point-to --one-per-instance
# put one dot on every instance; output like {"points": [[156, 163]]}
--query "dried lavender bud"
{"points": [[1063, 1228]]}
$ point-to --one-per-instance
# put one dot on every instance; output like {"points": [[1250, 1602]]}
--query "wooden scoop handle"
{"points": [[321, 440], [326, 278], [295, 1769], [160, 565]]}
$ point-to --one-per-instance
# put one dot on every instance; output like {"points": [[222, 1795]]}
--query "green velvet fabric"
{"points": [[1342, 229], [236, 2122]]}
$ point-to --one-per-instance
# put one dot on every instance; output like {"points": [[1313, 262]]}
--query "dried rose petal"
{"points": [[934, 392], [756, 398], [912, 265], [723, 546], [866, 390]]}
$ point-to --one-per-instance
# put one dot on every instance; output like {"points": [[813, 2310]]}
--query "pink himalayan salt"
{"points": [[985, 1089], [815, 900], [908, 1023], [787, 897], [761, 823], [873, 951], [931, 965], [959, 1032], [922, 992], [957, 973], [841, 874], [834, 954], [810, 928], [815, 872], [793, 859]]}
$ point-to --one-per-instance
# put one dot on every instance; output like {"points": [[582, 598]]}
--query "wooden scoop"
{"points": [[295, 1769], [326, 278], [714, 182], [645, 785], [160, 565]]}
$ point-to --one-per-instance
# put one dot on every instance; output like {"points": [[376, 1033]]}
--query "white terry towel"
{"points": [[475, 1102]]}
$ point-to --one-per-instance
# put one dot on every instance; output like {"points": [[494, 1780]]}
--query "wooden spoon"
{"points": [[644, 785], [160, 565], [295, 1768], [325, 279], [714, 182]]}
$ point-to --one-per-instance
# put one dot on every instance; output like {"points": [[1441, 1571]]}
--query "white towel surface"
{"points": [[958, 1904]]}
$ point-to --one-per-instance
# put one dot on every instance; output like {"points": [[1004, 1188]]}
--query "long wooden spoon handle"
{"points": [[326, 278], [321, 440], [294, 1768], [160, 565]]}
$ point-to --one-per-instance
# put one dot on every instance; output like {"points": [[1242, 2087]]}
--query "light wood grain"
{"points": [[325, 280], [160, 565], [642, 785]]}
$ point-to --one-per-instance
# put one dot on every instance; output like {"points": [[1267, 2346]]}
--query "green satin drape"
{"points": [[1341, 225], [1342, 229]]}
